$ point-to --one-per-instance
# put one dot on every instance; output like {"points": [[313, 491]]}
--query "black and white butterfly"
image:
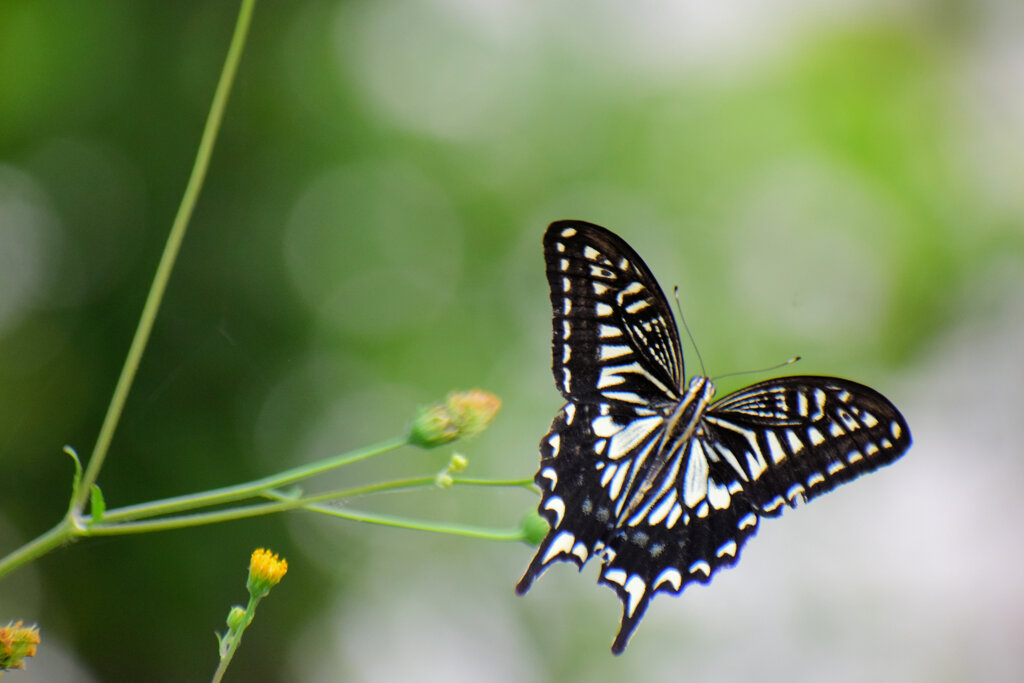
{"points": [[647, 473]]}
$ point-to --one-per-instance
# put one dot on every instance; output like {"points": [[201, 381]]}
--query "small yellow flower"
{"points": [[265, 572], [16, 643], [463, 413]]}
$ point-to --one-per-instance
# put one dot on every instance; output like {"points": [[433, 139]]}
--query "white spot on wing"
{"points": [[580, 551], [695, 481], [635, 432], [671, 576], [624, 396], [616, 576], [801, 403], [562, 543], [749, 519], [775, 448], [819, 405], [815, 436], [795, 444], [727, 548], [568, 232], [608, 473], [609, 351], [814, 479], [556, 505], [617, 481], [637, 306], [610, 376], [636, 588], [603, 310], [756, 463], [605, 426], [702, 567], [673, 517], [718, 495], [661, 512]]}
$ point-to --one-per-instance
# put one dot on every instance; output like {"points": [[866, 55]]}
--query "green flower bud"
{"points": [[463, 413], [534, 528]]}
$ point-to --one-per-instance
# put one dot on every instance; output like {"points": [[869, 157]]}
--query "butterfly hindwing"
{"points": [[684, 537], [575, 505]]}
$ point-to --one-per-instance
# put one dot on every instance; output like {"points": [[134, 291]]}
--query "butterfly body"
{"points": [[662, 484]]}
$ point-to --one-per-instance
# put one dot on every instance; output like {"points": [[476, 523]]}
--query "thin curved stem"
{"points": [[167, 259], [229, 494]]}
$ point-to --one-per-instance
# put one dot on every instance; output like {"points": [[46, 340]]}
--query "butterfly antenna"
{"points": [[693, 342], [768, 369]]}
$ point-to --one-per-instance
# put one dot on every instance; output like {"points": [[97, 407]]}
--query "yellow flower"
{"points": [[16, 643], [265, 572]]}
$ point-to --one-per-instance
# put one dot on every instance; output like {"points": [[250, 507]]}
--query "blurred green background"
{"points": [[839, 181]]}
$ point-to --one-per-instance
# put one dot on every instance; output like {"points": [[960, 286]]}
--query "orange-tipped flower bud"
{"points": [[463, 414], [16, 643]]}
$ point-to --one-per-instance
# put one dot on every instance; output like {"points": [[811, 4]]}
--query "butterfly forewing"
{"points": [[663, 488], [614, 337], [799, 437]]}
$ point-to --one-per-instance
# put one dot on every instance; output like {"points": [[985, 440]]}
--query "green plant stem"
{"points": [[167, 259], [284, 502], [234, 639], [60, 534], [135, 519], [406, 523], [420, 525], [248, 489]]}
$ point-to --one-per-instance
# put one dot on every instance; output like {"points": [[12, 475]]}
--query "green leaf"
{"points": [[97, 506], [76, 481]]}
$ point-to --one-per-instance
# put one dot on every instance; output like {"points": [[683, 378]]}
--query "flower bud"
{"points": [[534, 528], [463, 413], [16, 643]]}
